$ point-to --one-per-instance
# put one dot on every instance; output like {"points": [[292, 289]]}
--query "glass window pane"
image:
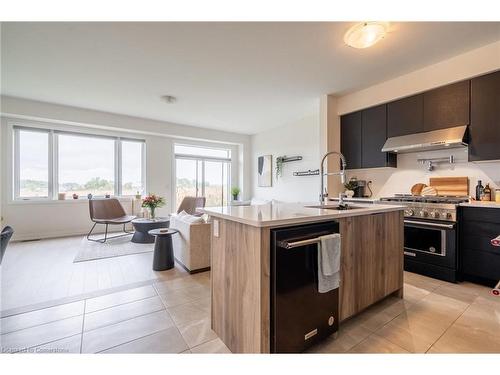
{"points": [[186, 179], [33, 164], [202, 151], [226, 178], [86, 165], [132, 168], [213, 183]]}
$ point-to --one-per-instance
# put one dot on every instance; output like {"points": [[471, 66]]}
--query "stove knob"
{"points": [[449, 216], [409, 212], [436, 215], [424, 213]]}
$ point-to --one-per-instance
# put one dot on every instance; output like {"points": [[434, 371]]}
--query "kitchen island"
{"points": [[371, 263]]}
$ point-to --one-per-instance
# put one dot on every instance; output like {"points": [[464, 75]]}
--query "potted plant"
{"points": [[235, 191], [152, 201], [349, 188], [279, 166]]}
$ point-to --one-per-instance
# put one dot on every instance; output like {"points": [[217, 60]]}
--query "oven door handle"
{"points": [[429, 224]]}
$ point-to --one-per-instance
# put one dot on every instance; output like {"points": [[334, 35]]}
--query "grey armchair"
{"points": [[190, 204], [108, 211]]}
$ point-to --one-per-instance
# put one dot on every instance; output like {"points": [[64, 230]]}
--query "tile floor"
{"points": [[433, 317], [173, 316], [170, 316], [118, 305], [40, 271]]}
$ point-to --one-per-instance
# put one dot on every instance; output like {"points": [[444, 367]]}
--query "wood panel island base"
{"points": [[371, 264]]}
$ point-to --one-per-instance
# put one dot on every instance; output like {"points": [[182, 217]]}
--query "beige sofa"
{"points": [[192, 245]]}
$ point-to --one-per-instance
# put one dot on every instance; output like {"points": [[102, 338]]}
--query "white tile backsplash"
{"points": [[390, 181]]}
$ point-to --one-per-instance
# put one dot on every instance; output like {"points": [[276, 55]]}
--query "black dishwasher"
{"points": [[300, 315]]}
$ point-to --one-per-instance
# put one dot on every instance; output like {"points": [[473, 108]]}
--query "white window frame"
{"points": [[202, 159], [53, 160], [119, 163], [17, 163]]}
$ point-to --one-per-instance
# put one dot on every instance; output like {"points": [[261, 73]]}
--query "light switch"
{"points": [[216, 228]]}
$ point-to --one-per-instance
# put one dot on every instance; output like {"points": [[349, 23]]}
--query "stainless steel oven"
{"points": [[431, 232], [430, 246]]}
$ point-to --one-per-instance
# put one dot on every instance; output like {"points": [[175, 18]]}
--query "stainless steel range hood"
{"points": [[433, 140]]}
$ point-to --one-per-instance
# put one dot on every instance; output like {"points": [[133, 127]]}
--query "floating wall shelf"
{"points": [[307, 173]]}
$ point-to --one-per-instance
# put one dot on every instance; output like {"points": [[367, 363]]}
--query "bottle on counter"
{"points": [[497, 195], [486, 193], [479, 191]]}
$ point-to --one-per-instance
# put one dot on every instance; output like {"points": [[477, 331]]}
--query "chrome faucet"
{"points": [[323, 193]]}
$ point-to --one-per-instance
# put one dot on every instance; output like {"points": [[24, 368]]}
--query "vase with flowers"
{"points": [[152, 201]]}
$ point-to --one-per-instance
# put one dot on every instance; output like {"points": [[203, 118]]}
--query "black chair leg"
{"points": [[126, 231], [89, 233], [103, 240]]}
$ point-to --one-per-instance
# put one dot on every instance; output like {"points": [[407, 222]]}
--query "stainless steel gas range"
{"points": [[431, 234]]}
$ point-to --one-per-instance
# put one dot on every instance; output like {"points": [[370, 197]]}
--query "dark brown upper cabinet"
{"points": [[405, 116], [373, 137], [350, 139], [363, 134], [447, 106], [484, 129]]}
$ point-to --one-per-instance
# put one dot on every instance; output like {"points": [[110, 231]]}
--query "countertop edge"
{"points": [[304, 219]]}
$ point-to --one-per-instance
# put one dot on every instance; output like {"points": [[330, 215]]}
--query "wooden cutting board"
{"points": [[455, 186]]}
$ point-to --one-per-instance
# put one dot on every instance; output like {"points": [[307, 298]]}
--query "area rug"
{"points": [[115, 247]]}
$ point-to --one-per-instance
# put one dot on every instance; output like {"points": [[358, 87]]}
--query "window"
{"points": [[202, 171], [49, 162], [202, 151], [32, 164], [132, 171], [82, 172]]}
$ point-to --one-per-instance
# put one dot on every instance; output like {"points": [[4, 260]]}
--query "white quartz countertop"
{"points": [[482, 204], [278, 214]]}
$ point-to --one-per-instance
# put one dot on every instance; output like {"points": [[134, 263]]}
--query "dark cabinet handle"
{"points": [[495, 241]]}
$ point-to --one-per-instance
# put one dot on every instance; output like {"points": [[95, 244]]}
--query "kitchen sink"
{"points": [[334, 207]]}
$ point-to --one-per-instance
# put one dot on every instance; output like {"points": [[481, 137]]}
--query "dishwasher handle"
{"points": [[291, 245]]}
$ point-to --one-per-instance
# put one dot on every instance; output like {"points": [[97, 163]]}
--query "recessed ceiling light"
{"points": [[365, 34], [169, 99]]}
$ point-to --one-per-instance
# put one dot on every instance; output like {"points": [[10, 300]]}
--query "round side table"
{"points": [[163, 258], [143, 226]]}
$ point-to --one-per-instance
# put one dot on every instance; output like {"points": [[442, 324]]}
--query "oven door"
{"points": [[430, 242]]}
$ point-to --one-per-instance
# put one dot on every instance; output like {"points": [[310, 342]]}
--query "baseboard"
{"points": [[56, 234]]}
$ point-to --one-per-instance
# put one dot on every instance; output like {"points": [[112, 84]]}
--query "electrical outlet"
{"points": [[216, 228]]}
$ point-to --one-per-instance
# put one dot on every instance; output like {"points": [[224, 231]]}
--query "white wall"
{"points": [[59, 218], [302, 138], [388, 181]]}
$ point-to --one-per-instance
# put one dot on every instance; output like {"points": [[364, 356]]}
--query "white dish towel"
{"points": [[328, 262]]}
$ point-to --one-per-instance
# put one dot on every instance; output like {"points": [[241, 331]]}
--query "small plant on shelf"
{"points": [[152, 201], [350, 185], [235, 191]]}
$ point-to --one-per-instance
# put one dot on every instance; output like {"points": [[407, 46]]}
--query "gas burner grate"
{"points": [[427, 199]]}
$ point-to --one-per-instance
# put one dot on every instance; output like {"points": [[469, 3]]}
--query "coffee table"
{"points": [[163, 257], [143, 226]]}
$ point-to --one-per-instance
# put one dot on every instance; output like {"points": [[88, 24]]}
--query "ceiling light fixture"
{"points": [[365, 34], [169, 99]]}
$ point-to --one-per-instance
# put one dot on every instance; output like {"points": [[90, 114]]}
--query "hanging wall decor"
{"points": [[265, 175]]}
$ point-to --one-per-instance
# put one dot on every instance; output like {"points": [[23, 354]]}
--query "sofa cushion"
{"points": [[190, 219]]}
